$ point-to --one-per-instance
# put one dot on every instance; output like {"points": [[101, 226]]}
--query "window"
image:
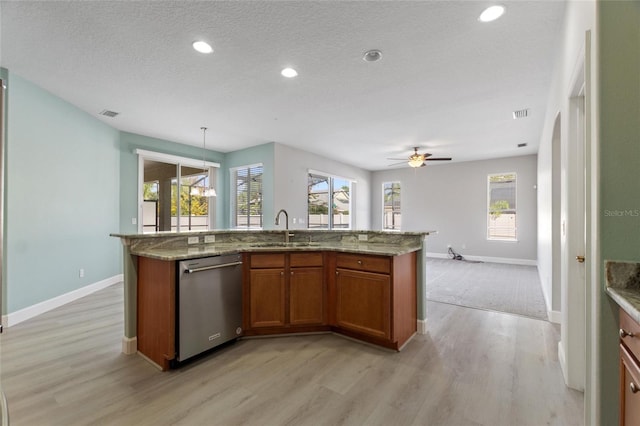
{"points": [[501, 217], [329, 202], [165, 205], [247, 204], [391, 216]]}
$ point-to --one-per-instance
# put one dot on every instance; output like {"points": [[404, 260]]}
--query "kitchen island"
{"points": [[366, 285]]}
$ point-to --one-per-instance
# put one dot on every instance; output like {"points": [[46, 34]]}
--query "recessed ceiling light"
{"points": [[372, 55], [491, 13], [289, 72], [202, 46]]}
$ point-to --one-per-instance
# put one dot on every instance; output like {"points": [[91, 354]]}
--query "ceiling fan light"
{"points": [[415, 162]]}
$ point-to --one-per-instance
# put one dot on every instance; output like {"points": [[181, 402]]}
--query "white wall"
{"points": [[452, 199], [580, 17], [290, 185]]}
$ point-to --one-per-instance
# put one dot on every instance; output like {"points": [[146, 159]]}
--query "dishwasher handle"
{"points": [[206, 268]]}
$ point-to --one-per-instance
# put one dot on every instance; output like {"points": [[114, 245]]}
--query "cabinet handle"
{"points": [[291, 272], [281, 273], [633, 387], [337, 272], [359, 262], [624, 333]]}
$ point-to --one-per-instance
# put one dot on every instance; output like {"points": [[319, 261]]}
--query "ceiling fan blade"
{"points": [[398, 159], [396, 164], [437, 159]]}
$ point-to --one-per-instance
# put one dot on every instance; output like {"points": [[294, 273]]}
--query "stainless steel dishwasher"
{"points": [[209, 303]]}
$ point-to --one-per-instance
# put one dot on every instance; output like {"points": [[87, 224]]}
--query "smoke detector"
{"points": [[372, 55]]}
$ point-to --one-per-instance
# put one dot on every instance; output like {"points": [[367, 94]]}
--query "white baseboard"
{"points": [[129, 345], [32, 311], [508, 260], [555, 317], [422, 326]]}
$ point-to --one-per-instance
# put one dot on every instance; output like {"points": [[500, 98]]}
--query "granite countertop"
{"points": [[182, 253], [164, 234], [623, 286]]}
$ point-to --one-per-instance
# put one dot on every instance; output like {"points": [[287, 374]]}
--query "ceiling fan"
{"points": [[417, 160]]}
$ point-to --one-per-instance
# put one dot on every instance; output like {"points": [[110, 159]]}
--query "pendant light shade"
{"points": [[208, 191]]}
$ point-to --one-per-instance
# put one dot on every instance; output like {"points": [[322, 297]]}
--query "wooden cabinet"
{"points": [[156, 310], [629, 370], [284, 292], [375, 297], [267, 297], [363, 302]]}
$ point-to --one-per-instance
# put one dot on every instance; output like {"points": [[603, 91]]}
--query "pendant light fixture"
{"points": [[208, 191]]}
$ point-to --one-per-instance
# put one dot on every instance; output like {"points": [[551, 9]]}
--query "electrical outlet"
{"points": [[208, 239], [81, 273], [134, 221], [193, 240], [363, 237], [301, 221], [294, 220]]}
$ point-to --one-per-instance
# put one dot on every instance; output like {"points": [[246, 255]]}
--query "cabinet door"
{"points": [[363, 302], [267, 300], [306, 296], [629, 389], [156, 303]]}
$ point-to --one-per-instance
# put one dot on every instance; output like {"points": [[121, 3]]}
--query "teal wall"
{"points": [[129, 142], [62, 193], [264, 154], [71, 180], [618, 43]]}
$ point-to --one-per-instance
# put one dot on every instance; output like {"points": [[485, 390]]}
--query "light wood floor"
{"points": [[474, 367]]}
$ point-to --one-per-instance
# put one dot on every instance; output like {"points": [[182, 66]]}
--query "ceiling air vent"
{"points": [[522, 145], [521, 113], [108, 113]]}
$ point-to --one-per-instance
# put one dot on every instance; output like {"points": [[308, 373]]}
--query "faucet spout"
{"points": [[286, 216]]}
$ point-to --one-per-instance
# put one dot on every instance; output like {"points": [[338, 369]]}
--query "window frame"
{"points": [[179, 162], [233, 197], [384, 228], [330, 178], [515, 210]]}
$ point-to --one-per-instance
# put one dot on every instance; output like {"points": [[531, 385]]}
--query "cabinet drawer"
{"points": [[629, 389], [364, 263], [305, 259], [628, 325], [267, 260]]}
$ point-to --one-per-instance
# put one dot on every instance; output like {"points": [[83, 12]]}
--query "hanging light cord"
{"points": [[204, 135]]}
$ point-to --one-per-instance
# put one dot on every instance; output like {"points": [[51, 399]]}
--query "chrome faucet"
{"points": [[286, 232]]}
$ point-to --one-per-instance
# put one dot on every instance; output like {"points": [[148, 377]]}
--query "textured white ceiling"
{"points": [[446, 82]]}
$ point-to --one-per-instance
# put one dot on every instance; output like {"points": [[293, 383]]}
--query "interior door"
{"points": [[573, 328], [4, 411]]}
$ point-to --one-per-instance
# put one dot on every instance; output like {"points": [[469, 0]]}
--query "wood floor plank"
{"points": [[473, 367]]}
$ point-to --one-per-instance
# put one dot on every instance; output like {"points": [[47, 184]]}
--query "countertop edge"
{"points": [[621, 297], [154, 254]]}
